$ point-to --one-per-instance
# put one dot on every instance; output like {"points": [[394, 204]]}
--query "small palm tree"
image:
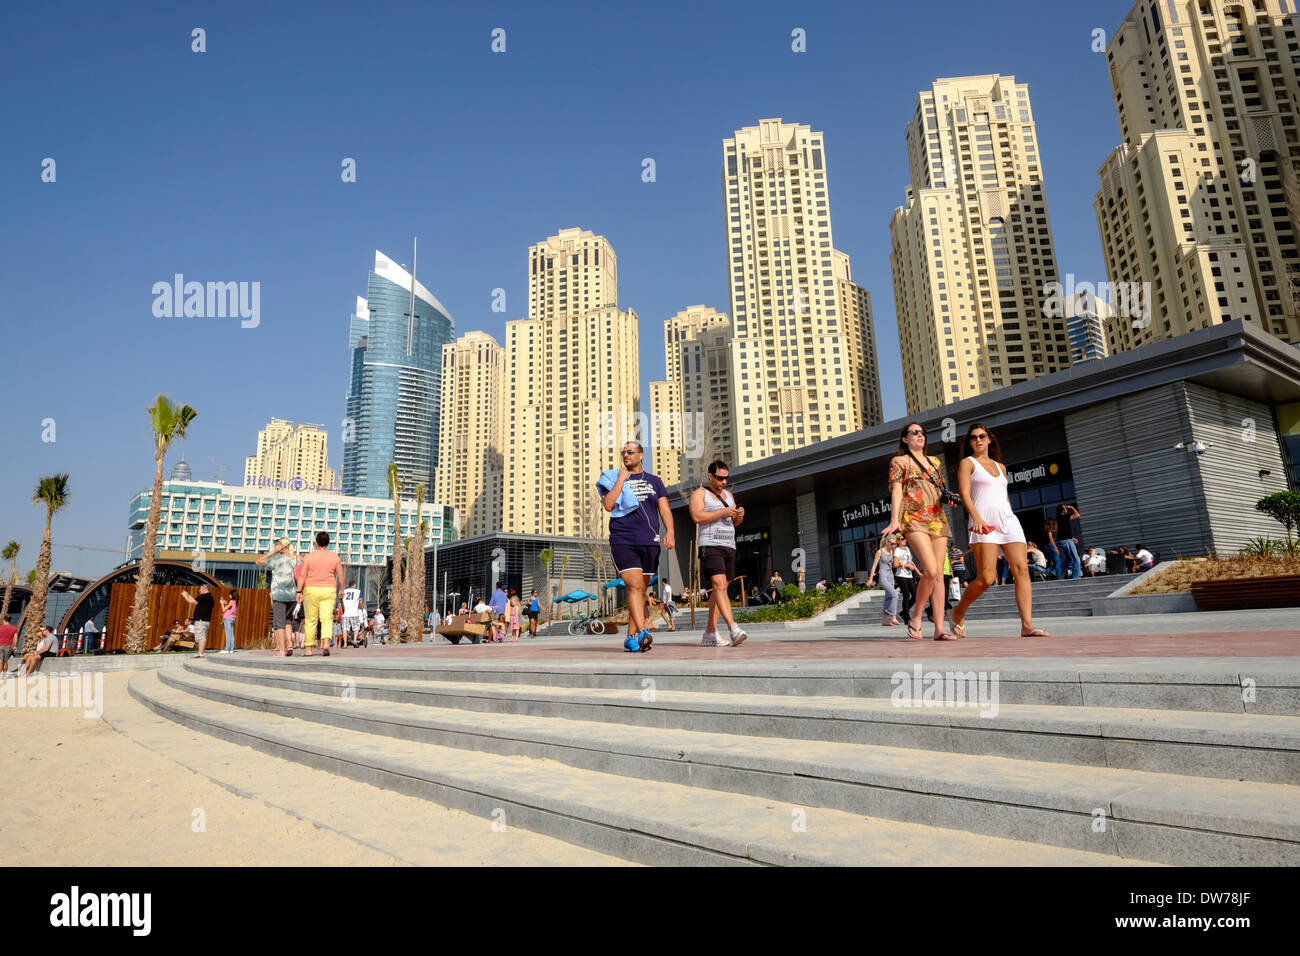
{"points": [[168, 421], [395, 588], [413, 592], [53, 493], [564, 567], [10, 554], [546, 557]]}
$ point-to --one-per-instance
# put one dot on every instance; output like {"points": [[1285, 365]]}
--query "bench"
{"points": [[465, 625]]}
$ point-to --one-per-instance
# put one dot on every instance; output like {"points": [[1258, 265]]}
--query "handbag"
{"points": [[949, 498]]}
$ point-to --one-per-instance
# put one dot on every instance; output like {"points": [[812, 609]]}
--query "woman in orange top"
{"points": [[320, 578], [916, 483]]}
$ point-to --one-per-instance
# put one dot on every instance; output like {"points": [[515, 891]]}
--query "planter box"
{"points": [[1242, 593]]}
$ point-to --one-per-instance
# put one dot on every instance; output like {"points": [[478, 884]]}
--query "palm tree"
{"points": [[546, 557], [53, 493], [168, 421], [10, 554], [413, 592], [395, 586], [564, 566]]}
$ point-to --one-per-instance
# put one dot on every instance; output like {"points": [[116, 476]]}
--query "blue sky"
{"points": [[225, 166]]}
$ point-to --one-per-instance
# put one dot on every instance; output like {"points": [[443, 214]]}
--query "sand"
{"points": [[80, 793]]}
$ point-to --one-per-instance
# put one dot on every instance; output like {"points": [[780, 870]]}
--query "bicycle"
{"points": [[589, 624]]}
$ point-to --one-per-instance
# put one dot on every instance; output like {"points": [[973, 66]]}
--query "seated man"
{"points": [[168, 638], [44, 648], [1037, 562], [1145, 559]]}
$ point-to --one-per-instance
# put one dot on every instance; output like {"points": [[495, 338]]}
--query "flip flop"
{"points": [[959, 631], [918, 636], [1036, 632]]}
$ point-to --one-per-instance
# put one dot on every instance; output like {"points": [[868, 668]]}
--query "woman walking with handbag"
{"points": [[994, 525], [883, 567], [917, 496]]}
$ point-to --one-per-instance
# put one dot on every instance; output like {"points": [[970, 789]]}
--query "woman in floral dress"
{"points": [[915, 484]]}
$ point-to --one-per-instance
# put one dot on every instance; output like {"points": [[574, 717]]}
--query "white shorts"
{"points": [[1008, 531], [351, 623]]}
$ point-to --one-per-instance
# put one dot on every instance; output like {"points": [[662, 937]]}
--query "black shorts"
{"points": [[533, 615], [715, 559], [630, 557]]}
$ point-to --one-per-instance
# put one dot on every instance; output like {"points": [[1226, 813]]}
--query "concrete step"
{"points": [[1148, 816], [1142, 684], [1231, 746], [649, 821]]}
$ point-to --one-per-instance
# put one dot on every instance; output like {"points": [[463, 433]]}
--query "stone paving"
{"points": [[1257, 634]]}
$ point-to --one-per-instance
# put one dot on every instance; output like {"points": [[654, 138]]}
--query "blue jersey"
{"points": [[642, 525]]}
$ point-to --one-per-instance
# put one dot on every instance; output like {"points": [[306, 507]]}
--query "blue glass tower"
{"points": [[396, 383]]}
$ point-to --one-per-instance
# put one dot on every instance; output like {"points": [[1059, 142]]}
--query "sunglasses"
{"points": [[916, 431], [979, 437], [722, 478], [629, 451]]}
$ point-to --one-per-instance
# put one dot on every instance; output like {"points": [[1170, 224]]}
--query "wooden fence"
{"points": [[252, 624]]}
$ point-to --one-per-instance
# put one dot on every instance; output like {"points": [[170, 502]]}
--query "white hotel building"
{"points": [[227, 526]]}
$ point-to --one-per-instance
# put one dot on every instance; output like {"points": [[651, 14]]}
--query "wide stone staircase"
{"points": [[781, 762], [1066, 598]]}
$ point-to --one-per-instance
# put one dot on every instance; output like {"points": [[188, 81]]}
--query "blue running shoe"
{"points": [[645, 639], [632, 644]]}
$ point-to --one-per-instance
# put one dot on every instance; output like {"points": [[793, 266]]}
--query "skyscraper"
{"points": [[792, 338], [471, 458], [972, 252], [290, 453], [695, 399], [1200, 200], [1086, 317], [573, 377], [394, 392]]}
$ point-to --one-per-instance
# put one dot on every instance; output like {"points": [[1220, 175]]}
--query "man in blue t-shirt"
{"points": [[637, 502], [498, 601]]}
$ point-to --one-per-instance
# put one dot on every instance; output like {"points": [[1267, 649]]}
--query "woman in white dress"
{"points": [[982, 481]]}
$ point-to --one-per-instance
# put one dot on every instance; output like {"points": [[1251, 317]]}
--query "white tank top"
{"points": [[720, 533], [990, 494]]}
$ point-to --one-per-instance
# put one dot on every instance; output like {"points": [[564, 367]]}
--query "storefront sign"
{"points": [[865, 513], [749, 537], [1040, 471]]}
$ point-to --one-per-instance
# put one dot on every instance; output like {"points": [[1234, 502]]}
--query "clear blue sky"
{"points": [[225, 166]]}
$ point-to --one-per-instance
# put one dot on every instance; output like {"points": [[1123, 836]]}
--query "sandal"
{"points": [[918, 636], [945, 636], [959, 631], [289, 652], [1036, 632]]}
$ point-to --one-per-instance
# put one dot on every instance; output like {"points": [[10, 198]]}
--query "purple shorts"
{"points": [[630, 557]]}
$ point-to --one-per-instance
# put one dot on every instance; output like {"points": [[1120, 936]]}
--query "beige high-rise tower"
{"points": [[471, 459], [573, 377], [972, 252], [295, 454], [696, 397], [792, 342], [1200, 199]]}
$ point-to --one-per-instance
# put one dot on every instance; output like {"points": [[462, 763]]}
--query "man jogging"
{"points": [[636, 501]]}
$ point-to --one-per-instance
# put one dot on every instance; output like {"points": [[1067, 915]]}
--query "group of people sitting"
{"points": [[1093, 562]]}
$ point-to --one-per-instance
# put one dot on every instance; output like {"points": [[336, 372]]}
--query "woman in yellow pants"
{"points": [[320, 580]]}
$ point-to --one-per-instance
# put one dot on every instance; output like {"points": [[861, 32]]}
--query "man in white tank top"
{"points": [[714, 509]]}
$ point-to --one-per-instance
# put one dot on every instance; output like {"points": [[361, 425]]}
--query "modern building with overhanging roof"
{"points": [[1169, 445]]}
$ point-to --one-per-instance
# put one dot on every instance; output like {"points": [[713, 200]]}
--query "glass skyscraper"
{"points": [[395, 387]]}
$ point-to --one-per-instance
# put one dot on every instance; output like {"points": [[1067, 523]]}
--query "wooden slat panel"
{"points": [[1235, 594], [166, 605]]}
